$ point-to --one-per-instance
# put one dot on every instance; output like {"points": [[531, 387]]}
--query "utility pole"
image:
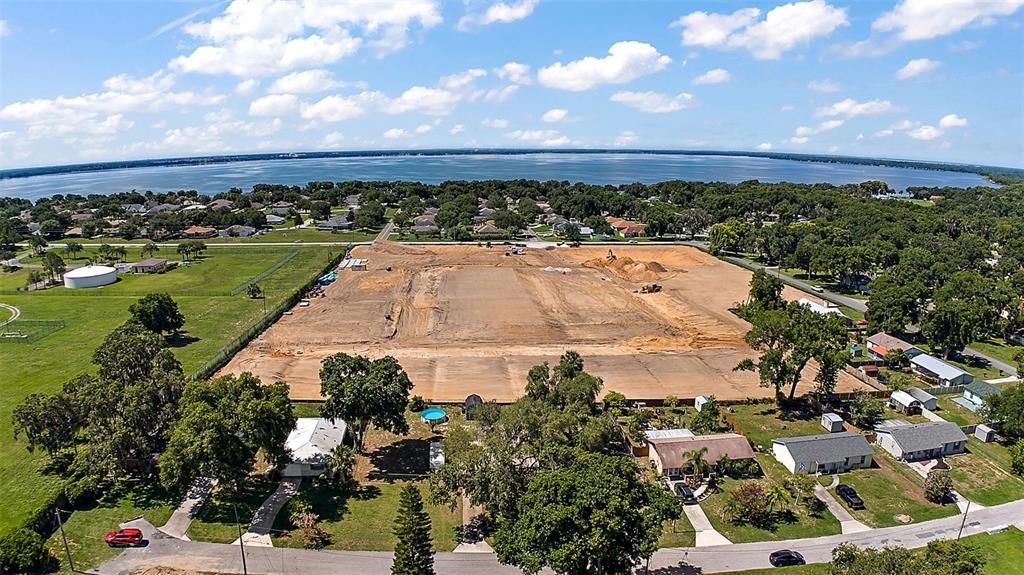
{"points": [[64, 538], [241, 544], [964, 522]]}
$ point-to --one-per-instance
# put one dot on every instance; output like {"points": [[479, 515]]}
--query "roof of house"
{"points": [[935, 365], [982, 389], [221, 203], [198, 230], [826, 447], [924, 436], [237, 228], [889, 342], [818, 308], [903, 398], [487, 228], [150, 263], [920, 394], [673, 451], [313, 438], [667, 433], [339, 220]]}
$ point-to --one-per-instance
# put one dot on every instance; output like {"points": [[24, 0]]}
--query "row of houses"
{"points": [[929, 368]]}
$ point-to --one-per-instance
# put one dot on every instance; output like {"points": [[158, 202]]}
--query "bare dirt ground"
{"points": [[470, 319]]}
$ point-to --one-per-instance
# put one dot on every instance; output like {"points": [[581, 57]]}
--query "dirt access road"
{"points": [[469, 319]]}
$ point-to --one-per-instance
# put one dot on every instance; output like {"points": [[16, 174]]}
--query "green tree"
{"points": [[614, 400], [363, 391], [594, 516], [1007, 410], [776, 494], [369, 215], [1019, 358], [766, 291], [38, 244], [149, 248], [340, 465], [158, 312], [708, 419], [723, 238], [509, 221], [23, 550], [222, 425], [938, 485], [865, 411], [413, 552], [1017, 457], [73, 249], [254, 291], [54, 265]]}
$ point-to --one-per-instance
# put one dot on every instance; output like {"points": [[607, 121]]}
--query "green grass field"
{"points": [[959, 415], [983, 475], [887, 493], [43, 365], [763, 422]]}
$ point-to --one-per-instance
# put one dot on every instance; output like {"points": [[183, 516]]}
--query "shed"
{"points": [[819, 308], [832, 422], [978, 391], [985, 433], [934, 368], [699, 402], [928, 401], [904, 403], [471, 402], [152, 265]]}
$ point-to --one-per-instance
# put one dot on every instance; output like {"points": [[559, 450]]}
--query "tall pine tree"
{"points": [[414, 553]]}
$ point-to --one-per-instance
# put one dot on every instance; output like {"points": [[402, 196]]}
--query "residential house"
{"points": [[429, 212], [335, 224], [282, 205], [914, 442], [353, 200], [928, 401], [194, 208], [880, 344], [425, 229], [133, 208], [819, 308], [978, 391], [903, 402], [424, 220], [149, 266], [311, 442], [78, 218], [198, 232], [237, 231], [670, 455], [161, 208], [274, 219], [825, 453], [934, 369], [220, 205], [488, 229], [73, 233]]}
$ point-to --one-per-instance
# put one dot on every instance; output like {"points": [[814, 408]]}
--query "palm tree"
{"points": [[149, 248], [121, 252], [775, 494], [184, 249], [697, 463], [73, 249]]}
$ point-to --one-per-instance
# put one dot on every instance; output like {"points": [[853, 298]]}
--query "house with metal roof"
{"points": [[667, 433], [934, 369], [903, 402], [913, 442], [978, 391], [825, 453], [928, 401], [820, 309], [671, 454]]}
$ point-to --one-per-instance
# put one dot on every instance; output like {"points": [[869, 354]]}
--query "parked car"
{"points": [[849, 495], [817, 289], [785, 558], [123, 538], [684, 493]]}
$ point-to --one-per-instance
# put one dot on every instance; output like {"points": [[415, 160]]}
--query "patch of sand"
{"points": [[466, 319]]}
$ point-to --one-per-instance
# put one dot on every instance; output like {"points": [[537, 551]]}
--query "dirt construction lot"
{"points": [[470, 319]]}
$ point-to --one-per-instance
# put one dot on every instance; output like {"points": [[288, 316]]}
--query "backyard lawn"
{"points": [[762, 423], [983, 474], [43, 365], [797, 522], [889, 493], [951, 411]]}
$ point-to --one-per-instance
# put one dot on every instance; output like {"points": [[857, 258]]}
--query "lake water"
{"points": [[602, 168]]}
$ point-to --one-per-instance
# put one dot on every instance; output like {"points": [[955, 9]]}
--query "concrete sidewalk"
{"points": [[177, 526], [707, 536], [258, 534]]}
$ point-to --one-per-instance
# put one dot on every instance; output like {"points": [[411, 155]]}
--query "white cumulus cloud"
{"points": [[783, 28], [626, 138], [246, 87], [395, 133], [716, 76], [653, 102], [543, 137], [952, 121], [332, 140], [625, 61], [305, 82], [923, 19], [916, 67], [514, 72], [555, 115], [764, 147], [494, 123], [423, 128], [925, 133], [850, 108], [273, 105], [456, 129], [498, 13]]}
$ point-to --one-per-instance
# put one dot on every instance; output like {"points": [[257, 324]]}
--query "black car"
{"points": [[849, 495], [786, 558], [684, 493]]}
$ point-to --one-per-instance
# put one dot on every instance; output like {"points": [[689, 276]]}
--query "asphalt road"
{"points": [[165, 551]]}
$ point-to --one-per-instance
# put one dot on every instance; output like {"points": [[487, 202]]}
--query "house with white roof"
{"points": [[933, 368], [311, 443], [818, 308], [903, 402]]}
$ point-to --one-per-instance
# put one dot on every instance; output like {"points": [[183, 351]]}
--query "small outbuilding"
{"points": [[985, 433], [470, 405], [700, 401], [819, 308], [903, 402], [150, 266], [928, 401], [832, 422]]}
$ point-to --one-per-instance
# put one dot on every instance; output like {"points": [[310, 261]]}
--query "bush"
{"points": [[937, 486], [614, 400], [1017, 457], [23, 551], [417, 403], [671, 401]]}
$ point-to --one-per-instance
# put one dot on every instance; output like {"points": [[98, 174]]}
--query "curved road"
{"points": [[165, 551]]}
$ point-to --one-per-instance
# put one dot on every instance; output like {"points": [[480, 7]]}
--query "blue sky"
{"points": [[922, 79]]}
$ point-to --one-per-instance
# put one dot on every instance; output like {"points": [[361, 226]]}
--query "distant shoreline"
{"points": [[995, 174]]}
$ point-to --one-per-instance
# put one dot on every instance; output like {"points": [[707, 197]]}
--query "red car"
{"points": [[123, 538]]}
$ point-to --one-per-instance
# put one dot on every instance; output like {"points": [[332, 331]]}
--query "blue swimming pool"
{"points": [[432, 414]]}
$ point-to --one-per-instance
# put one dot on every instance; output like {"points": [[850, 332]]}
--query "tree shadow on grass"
{"points": [[400, 460], [180, 339]]}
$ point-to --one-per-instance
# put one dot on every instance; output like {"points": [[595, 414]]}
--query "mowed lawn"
{"points": [[763, 422], [42, 366], [983, 474], [958, 414], [891, 495]]}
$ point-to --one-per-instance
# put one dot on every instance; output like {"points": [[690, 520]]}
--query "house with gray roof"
{"points": [[913, 442], [978, 391], [928, 401], [824, 453]]}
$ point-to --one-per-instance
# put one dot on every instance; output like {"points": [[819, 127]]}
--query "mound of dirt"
{"points": [[628, 268]]}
